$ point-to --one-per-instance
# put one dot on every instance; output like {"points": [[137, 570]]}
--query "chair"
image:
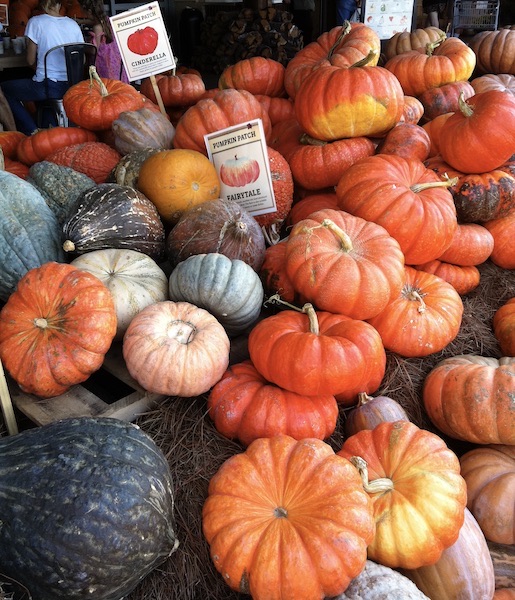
{"points": [[78, 57]]}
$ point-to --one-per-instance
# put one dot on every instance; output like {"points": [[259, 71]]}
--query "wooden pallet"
{"points": [[110, 392]]}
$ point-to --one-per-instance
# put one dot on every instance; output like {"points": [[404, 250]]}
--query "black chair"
{"points": [[78, 57]]}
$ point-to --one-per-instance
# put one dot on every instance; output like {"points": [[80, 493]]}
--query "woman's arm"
{"points": [[32, 51]]}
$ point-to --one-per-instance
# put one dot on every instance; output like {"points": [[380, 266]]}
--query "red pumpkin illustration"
{"points": [[238, 172], [143, 41]]}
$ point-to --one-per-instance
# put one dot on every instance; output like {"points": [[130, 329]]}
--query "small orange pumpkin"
{"points": [[504, 327]]}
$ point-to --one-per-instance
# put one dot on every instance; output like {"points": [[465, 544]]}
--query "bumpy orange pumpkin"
{"points": [[287, 519], [504, 327], [490, 475], [244, 405], [402, 467], [94, 159], [503, 230], [344, 264], [176, 348], [470, 398], [423, 319], [406, 198], [177, 180], [56, 328]]}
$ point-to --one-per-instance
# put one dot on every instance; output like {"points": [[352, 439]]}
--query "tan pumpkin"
{"points": [[505, 82], [404, 41], [133, 278], [490, 475], [176, 349], [495, 51]]}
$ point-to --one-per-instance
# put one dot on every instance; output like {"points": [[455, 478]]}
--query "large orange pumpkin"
{"points": [[35, 148], [406, 198], [504, 327], [287, 519], [56, 328], [417, 492], [257, 75], [177, 180], [470, 398]]}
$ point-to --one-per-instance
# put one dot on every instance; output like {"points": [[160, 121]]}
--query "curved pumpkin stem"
{"points": [[414, 295], [306, 140], [465, 109], [363, 398], [344, 239], [95, 77], [377, 486], [307, 309], [364, 61], [432, 46], [420, 187], [346, 27]]}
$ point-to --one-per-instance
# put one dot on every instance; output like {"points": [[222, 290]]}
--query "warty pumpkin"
{"points": [[406, 198], [94, 159], [29, 232], [176, 180], [504, 327], [105, 510], [470, 398], [176, 349], [402, 466], [229, 289], [287, 519], [490, 476], [423, 319], [315, 352], [245, 406], [133, 278], [56, 328], [344, 264]]}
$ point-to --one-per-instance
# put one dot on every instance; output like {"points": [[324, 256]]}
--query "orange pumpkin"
{"points": [[472, 244], [407, 140], [273, 274], [37, 147], [444, 99], [406, 198], [444, 61], [9, 141], [504, 82], [504, 327], [490, 475], [310, 204], [423, 319], [177, 180], [287, 519], [94, 159], [413, 110], [182, 89], [503, 230], [278, 109], [470, 398], [434, 128], [257, 75], [176, 349], [401, 467], [56, 328], [463, 279]]}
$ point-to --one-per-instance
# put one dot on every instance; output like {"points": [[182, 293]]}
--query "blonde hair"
{"points": [[48, 4]]}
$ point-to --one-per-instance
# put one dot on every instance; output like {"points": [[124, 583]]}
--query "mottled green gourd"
{"points": [[29, 232], [86, 510]]}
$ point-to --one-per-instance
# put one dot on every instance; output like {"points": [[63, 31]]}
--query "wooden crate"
{"points": [[110, 392]]}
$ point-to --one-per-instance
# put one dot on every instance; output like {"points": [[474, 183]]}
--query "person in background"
{"points": [[109, 60], [42, 33], [303, 12], [433, 11], [344, 10]]}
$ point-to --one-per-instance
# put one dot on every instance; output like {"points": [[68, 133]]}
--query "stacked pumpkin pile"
{"points": [[382, 224]]}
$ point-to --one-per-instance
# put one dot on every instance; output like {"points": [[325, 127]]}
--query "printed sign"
{"points": [[388, 17], [4, 15], [143, 41], [240, 156]]}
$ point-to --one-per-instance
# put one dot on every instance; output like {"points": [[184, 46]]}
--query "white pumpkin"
{"points": [[134, 279]]}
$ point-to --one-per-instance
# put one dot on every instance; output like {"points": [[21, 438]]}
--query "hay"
{"points": [[195, 450]]}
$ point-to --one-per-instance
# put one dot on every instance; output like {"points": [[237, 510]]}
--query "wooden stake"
{"points": [[158, 94], [7, 407]]}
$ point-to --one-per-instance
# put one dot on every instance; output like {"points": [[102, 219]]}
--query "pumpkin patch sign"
{"points": [[143, 41]]}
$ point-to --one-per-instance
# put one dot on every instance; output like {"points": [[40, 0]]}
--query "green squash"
{"points": [[86, 509], [228, 288], [29, 232], [60, 186], [126, 172]]}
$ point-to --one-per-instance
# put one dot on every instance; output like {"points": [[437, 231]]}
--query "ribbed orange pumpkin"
{"points": [[35, 148], [428, 312], [470, 398], [402, 466], [444, 99], [334, 103], [503, 230], [472, 244], [287, 519], [182, 89], [406, 198], [432, 66], [344, 264], [504, 82], [434, 128], [407, 140], [504, 327], [56, 328], [462, 279], [9, 141], [494, 51], [257, 75]]}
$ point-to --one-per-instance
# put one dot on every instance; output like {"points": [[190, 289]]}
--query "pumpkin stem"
{"points": [[94, 76], [377, 486], [465, 109], [346, 242], [420, 187], [280, 512], [416, 296], [41, 322], [363, 398], [432, 46], [307, 140], [68, 246], [307, 309], [346, 27], [364, 61]]}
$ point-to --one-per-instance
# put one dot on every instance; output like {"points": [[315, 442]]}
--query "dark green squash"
{"points": [[29, 232], [60, 186], [126, 171], [86, 509], [113, 216]]}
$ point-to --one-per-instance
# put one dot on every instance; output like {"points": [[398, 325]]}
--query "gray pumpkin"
{"points": [[229, 289]]}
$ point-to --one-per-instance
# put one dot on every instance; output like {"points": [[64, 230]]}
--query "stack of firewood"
{"points": [[230, 36]]}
